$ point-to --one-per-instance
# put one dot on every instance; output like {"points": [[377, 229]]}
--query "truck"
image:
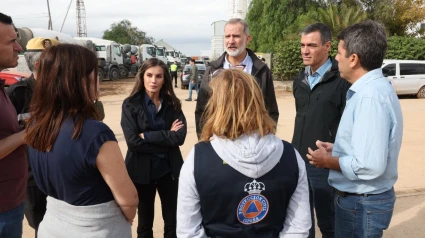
{"points": [[26, 34], [112, 58], [160, 53], [146, 51], [116, 60], [173, 56]]}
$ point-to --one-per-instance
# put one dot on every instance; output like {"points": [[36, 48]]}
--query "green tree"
{"points": [[340, 17], [400, 17], [337, 17], [269, 20], [124, 33], [287, 61]]}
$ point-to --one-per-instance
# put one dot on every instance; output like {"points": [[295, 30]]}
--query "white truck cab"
{"points": [[160, 53], [170, 56], [146, 51], [110, 56]]}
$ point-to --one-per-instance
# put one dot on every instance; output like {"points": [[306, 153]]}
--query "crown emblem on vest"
{"points": [[254, 207], [254, 187]]}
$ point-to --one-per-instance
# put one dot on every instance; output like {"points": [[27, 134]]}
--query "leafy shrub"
{"points": [[287, 61]]}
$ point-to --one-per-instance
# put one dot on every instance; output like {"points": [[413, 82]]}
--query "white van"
{"points": [[406, 76]]}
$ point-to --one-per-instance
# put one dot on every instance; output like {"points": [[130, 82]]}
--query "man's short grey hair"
{"points": [[233, 21], [31, 58], [323, 29], [368, 40]]}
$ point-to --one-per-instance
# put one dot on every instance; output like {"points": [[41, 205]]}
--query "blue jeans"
{"points": [[363, 216], [11, 222], [190, 89], [322, 197]]}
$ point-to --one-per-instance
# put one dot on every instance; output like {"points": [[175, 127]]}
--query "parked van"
{"points": [[406, 76]]}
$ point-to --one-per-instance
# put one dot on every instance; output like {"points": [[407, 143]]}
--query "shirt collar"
{"points": [[322, 70], [365, 79], [148, 100], [245, 62]]}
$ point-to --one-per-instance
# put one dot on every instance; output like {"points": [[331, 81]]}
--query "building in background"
{"points": [[217, 39], [238, 8], [165, 44]]}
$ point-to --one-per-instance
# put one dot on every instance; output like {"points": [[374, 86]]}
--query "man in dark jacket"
{"points": [[236, 37], [319, 95]]}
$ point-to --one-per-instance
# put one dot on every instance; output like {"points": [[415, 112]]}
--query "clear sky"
{"points": [[184, 24]]}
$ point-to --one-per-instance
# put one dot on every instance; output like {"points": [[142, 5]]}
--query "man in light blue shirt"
{"points": [[314, 78], [364, 157]]}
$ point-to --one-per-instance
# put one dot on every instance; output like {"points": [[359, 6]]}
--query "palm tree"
{"points": [[338, 17]]}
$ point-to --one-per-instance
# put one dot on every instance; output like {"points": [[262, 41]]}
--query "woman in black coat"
{"points": [[154, 127]]}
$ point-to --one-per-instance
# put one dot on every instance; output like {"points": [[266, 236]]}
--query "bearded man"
{"points": [[236, 37]]}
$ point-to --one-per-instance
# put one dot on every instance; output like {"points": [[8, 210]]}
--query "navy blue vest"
{"points": [[234, 205]]}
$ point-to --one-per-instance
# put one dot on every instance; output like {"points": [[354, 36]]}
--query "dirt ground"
{"points": [[409, 213]]}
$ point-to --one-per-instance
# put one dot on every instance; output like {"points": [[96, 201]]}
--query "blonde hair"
{"points": [[236, 107]]}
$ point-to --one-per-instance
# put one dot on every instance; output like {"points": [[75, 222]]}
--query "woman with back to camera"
{"points": [[75, 158], [241, 180], [154, 127]]}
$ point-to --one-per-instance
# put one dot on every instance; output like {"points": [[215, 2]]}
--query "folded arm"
{"points": [[168, 137], [132, 135]]}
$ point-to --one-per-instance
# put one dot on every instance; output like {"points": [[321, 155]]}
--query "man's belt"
{"points": [[345, 194]]}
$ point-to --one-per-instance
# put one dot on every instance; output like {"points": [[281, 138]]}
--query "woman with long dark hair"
{"points": [[154, 127], [75, 158]]}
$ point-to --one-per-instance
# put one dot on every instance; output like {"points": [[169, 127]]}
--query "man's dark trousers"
{"points": [[322, 199], [174, 76]]}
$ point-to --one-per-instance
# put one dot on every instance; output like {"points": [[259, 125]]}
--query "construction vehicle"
{"points": [[110, 57], [160, 53], [116, 60], [26, 34], [172, 56], [146, 51]]}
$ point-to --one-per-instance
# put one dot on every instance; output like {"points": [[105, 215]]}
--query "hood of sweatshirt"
{"points": [[251, 155]]}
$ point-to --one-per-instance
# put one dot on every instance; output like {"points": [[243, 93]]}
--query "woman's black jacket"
{"points": [[134, 121]]}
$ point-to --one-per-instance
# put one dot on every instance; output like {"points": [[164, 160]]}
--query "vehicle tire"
{"points": [[101, 74], [124, 73], [421, 93], [114, 74]]}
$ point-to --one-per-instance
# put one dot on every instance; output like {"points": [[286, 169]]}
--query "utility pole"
{"points": [[81, 19], [63, 23], [50, 26]]}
